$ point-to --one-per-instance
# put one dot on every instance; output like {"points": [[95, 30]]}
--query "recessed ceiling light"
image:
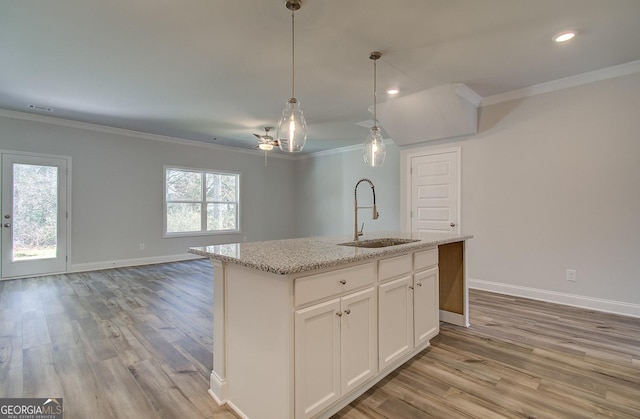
{"points": [[564, 37], [393, 91]]}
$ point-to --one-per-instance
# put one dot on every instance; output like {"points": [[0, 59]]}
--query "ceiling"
{"points": [[205, 69]]}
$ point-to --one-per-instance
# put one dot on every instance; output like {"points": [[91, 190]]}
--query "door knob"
{"points": [[7, 225]]}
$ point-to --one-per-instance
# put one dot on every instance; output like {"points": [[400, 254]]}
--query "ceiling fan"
{"points": [[266, 142]]}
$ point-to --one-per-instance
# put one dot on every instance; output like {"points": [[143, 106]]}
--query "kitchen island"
{"points": [[304, 326]]}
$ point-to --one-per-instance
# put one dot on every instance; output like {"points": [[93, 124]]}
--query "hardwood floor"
{"points": [[519, 359], [118, 343], [136, 343]]}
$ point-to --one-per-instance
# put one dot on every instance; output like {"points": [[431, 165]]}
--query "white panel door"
{"points": [[395, 318], [435, 187], [317, 357], [34, 215], [359, 343]]}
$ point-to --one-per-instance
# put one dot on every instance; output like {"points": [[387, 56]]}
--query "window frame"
{"points": [[203, 203]]}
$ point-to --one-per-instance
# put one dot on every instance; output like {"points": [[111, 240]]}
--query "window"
{"points": [[201, 202]]}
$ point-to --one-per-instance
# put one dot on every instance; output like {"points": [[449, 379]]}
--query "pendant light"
{"points": [[292, 127], [374, 151]]}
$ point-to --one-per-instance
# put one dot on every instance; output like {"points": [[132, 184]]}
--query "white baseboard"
{"points": [[95, 266], [218, 388], [591, 303]]}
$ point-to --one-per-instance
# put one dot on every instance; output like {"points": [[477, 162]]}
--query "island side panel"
{"points": [[260, 342], [453, 292], [218, 378]]}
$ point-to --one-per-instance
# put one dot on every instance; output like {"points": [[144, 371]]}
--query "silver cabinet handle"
{"points": [[7, 225], [7, 216], [419, 284], [339, 314], [452, 224], [348, 311], [343, 281]]}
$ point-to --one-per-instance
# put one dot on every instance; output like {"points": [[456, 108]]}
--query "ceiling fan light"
{"points": [[292, 128], [374, 150], [265, 146]]}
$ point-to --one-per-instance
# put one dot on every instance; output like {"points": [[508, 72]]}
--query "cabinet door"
{"points": [[395, 316], [359, 339], [317, 357], [425, 305]]}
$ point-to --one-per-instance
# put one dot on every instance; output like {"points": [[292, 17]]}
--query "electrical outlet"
{"points": [[141, 246], [571, 275]]}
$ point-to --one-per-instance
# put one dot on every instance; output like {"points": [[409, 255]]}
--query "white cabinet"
{"points": [[426, 296], [317, 357], [395, 311], [336, 344], [408, 310], [358, 339], [426, 319]]}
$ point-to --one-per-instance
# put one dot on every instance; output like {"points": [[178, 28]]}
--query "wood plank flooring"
{"points": [[519, 359], [136, 343], [118, 343]]}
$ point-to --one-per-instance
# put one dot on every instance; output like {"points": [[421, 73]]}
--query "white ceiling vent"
{"points": [[446, 111]]}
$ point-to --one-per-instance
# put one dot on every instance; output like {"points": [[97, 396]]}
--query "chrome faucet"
{"points": [[357, 233]]}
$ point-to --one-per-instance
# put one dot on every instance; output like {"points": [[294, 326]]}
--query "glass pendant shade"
{"points": [[374, 150], [292, 128]]}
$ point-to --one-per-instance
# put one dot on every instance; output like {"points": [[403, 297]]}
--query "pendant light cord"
{"points": [[375, 99], [293, 54]]}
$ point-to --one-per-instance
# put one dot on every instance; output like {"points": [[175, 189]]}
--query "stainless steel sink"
{"points": [[374, 243]]}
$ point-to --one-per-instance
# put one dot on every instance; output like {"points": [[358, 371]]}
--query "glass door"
{"points": [[34, 215]]}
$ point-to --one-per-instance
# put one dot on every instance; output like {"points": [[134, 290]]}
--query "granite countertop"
{"points": [[284, 257]]}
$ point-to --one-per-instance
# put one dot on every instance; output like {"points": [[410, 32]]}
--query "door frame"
{"points": [[68, 205], [405, 180]]}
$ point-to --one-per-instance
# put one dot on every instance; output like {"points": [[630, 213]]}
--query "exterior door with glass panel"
{"points": [[34, 215]]}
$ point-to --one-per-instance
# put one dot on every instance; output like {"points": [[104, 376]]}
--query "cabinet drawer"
{"points": [[393, 267], [333, 283], [425, 259]]}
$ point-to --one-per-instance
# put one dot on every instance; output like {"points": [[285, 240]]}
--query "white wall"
{"points": [[325, 185], [550, 184], [118, 185]]}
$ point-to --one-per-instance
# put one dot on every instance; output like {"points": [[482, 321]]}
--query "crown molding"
{"points": [[69, 123], [565, 83], [129, 133]]}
